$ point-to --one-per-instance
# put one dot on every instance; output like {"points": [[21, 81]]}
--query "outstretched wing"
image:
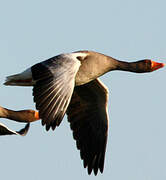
{"points": [[4, 130], [87, 114], [55, 80]]}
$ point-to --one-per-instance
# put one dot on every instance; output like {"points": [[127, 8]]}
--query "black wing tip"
{"points": [[49, 126], [96, 165], [95, 171], [95, 168], [24, 131]]}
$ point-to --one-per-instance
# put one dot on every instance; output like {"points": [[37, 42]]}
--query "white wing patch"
{"points": [[75, 55]]}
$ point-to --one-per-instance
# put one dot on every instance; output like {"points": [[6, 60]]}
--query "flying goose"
{"points": [[19, 116], [4, 130], [68, 83]]}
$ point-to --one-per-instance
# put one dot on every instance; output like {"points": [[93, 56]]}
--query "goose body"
{"points": [[68, 83]]}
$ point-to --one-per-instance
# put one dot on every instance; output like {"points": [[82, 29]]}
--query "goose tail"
{"points": [[21, 79]]}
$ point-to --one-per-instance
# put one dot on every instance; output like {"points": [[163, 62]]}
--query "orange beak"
{"points": [[156, 65], [37, 115]]}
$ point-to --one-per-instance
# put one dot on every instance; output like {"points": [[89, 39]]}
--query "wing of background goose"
{"points": [[4, 130], [55, 80], [87, 114]]}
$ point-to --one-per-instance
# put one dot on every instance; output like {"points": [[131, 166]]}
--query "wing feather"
{"points": [[88, 117], [55, 81]]}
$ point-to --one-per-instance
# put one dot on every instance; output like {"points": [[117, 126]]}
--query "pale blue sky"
{"points": [[32, 31]]}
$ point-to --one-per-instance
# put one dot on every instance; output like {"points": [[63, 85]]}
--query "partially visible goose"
{"points": [[68, 83], [4, 130], [19, 116]]}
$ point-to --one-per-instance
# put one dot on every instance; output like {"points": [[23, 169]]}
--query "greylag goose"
{"points": [[19, 116], [4, 130], [68, 83]]}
